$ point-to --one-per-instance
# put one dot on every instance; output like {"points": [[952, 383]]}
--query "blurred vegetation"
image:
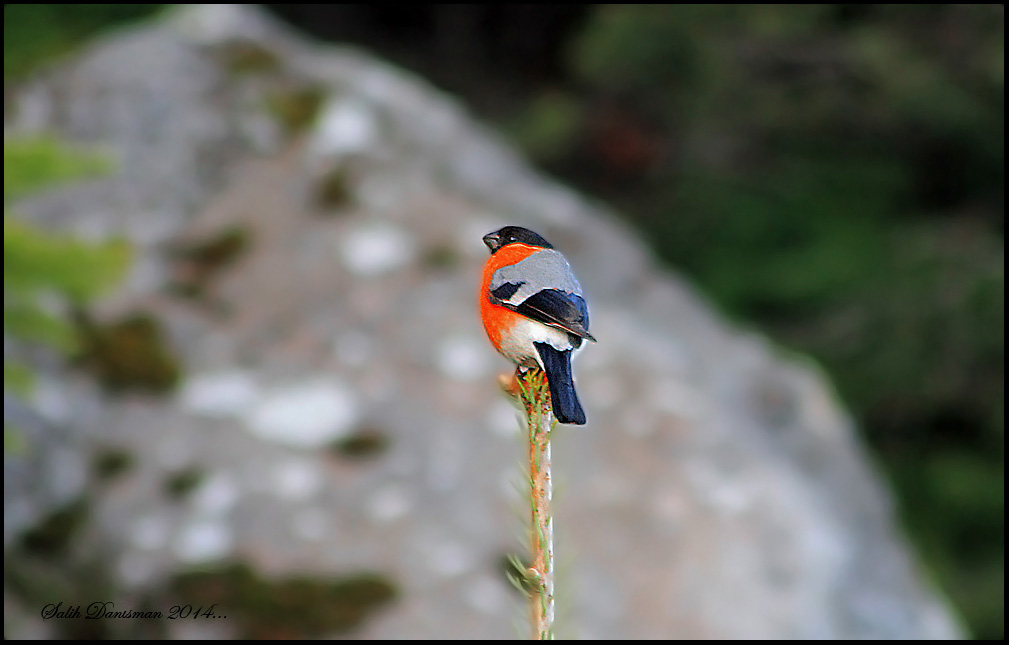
{"points": [[182, 483], [36, 33], [198, 262], [49, 279], [129, 354], [111, 463], [46, 275], [296, 108], [290, 608], [363, 444], [836, 175]]}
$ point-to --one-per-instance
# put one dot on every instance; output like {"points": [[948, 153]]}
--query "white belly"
{"points": [[518, 343]]}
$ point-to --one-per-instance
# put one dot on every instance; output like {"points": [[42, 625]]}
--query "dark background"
{"points": [[833, 175]]}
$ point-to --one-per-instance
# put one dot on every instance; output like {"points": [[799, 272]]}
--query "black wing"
{"points": [[557, 309]]}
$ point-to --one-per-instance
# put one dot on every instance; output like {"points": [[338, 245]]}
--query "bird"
{"points": [[534, 312]]}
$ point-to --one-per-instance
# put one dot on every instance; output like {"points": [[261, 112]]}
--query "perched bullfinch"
{"points": [[533, 311]]}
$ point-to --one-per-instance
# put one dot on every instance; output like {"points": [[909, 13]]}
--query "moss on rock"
{"points": [[128, 355], [295, 607]]}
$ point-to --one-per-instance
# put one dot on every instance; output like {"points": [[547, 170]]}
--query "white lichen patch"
{"points": [[222, 394], [150, 533], [203, 540], [216, 496], [344, 126], [305, 415], [462, 358], [297, 479], [210, 23], [388, 504], [375, 249]]}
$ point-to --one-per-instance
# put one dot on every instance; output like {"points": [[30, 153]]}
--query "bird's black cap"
{"points": [[512, 235]]}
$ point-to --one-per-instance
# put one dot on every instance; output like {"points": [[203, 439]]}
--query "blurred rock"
{"points": [[718, 491]]}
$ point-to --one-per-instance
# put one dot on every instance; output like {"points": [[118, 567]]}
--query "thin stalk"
{"points": [[535, 395]]}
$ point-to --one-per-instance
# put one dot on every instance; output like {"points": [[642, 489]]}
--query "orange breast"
{"points": [[497, 319]]}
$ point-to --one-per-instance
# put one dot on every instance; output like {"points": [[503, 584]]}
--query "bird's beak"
{"points": [[492, 240]]}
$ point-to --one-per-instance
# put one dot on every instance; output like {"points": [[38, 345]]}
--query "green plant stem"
{"points": [[535, 395]]}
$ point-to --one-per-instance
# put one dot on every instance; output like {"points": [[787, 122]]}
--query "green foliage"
{"points": [[795, 258], [32, 163], [534, 393], [36, 262], [517, 573], [834, 173], [43, 272], [36, 33], [549, 123]]}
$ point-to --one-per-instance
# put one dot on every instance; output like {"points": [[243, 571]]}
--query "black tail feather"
{"points": [[557, 365]]}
